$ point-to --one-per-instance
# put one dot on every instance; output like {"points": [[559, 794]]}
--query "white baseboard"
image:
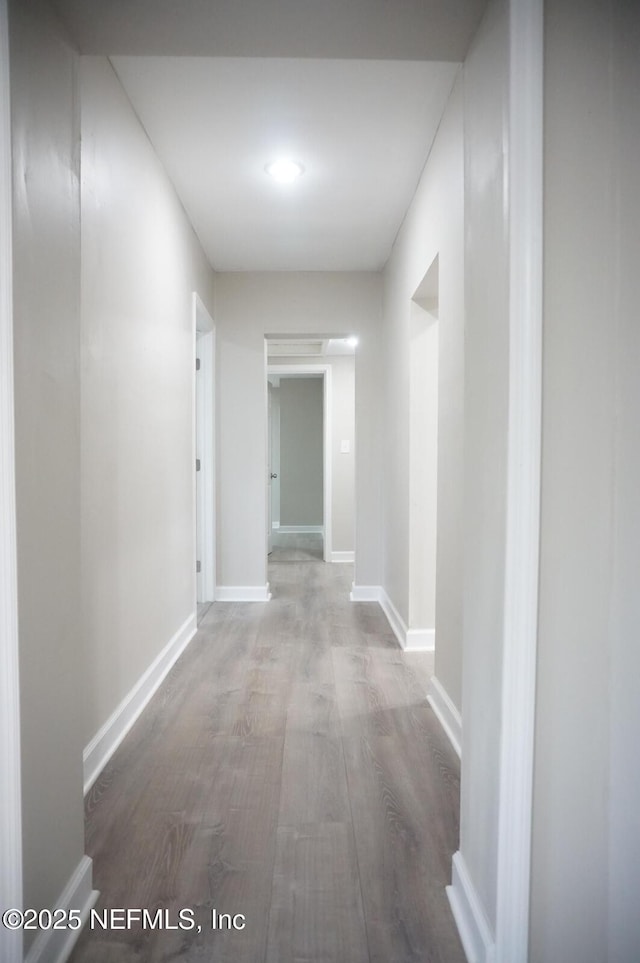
{"points": [[301, 529], [243, 593], [468, 912], [343, 556], [394, 618], [110, 735], [447, 713], [420, 640], [55, 946], [411, 640]]}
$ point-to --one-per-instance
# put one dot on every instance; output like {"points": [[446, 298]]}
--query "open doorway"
{"points": [[311, 448], [299, 512], [423, 462], [204, 456]]}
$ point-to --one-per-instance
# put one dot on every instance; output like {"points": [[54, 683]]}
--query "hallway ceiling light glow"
{"points": [[284, 170]]}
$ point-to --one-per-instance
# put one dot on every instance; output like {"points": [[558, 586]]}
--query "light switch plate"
{"points": [[345, 446]]}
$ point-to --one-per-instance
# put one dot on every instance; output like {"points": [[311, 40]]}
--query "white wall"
{"points": [[248, 306], [624, 721], [486, 77], [586, 839], [343, 464], [141, 262], [46, 210], [433, 227], [10, 780], [301, 451]]}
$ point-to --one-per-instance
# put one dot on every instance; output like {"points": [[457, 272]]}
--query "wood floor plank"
{"points": [[316, 908], [313, 785]]}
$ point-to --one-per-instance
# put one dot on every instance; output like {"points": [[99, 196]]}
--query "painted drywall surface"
{"points": [[248, 306], [586, 837], [425, 31], [433, 227], [486, 80], [624, 723], [46, 249], [140, 263], [342, 463], [343, 387], [301, 451], [395, 435]]}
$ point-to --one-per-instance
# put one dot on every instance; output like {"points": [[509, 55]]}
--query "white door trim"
{"points": [[525, 178], [204, 449], [10, 778], [325, 371]]}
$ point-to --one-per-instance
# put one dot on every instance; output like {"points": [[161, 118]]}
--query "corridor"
{"points": [[288, 773]]}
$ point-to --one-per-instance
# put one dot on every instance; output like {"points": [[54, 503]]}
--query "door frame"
{"points": [[291, 370], [10, 761], [204, 496], [526, 205]]}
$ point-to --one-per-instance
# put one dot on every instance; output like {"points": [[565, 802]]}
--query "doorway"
{"points": [[204, 456], [423, 472], [299, 431]]}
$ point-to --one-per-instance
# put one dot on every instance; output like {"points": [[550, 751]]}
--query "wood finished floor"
{"points": [[289, 769]]}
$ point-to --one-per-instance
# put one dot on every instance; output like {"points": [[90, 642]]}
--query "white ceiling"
{"points": [[354, 89], [362, 130]]}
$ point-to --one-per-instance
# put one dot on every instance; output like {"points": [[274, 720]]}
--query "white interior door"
{"points": [[204, 453], [269, 469], [275, 455], [200, 501]]}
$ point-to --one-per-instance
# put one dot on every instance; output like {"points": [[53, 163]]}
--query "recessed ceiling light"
{"points": [[352, 342], [284, 170]]}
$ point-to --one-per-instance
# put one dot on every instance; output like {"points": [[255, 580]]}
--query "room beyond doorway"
{"points": [[311, 442], [299, 499], [297, 419], [297, 547]]}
